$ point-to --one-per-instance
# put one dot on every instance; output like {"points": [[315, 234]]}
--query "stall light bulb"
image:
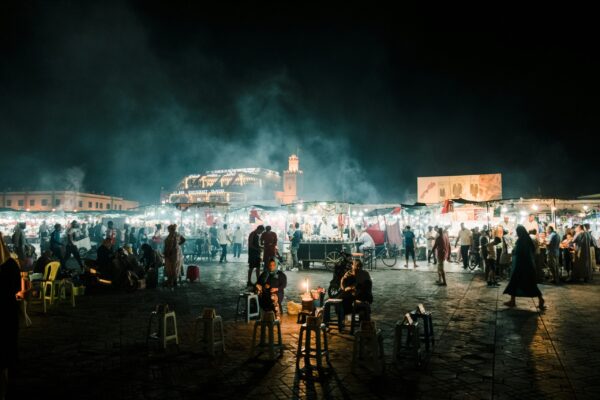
{"points": [[534, 207], [585, 208], [504, 209]]}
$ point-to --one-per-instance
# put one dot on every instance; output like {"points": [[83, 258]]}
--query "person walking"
{"points": [[73, 234], [173, 255], [409, 246], [238, 238], [431, 236], [522, 281], [295, 240], [56, 245], [552, 253], [224, 240], [441, 247], [10, 286], [269, 244], [465, 237], [254, 253]]}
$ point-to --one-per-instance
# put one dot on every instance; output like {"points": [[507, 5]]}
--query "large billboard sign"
{"points": [[435, 189]]}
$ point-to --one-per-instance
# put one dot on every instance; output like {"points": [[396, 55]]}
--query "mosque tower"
{"points": [[292, 181]]}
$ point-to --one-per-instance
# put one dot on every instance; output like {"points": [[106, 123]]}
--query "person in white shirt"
{"points": [[365, 241], [238, 237], [465, 237], [224, 239], [531, 224], [430, 236]]}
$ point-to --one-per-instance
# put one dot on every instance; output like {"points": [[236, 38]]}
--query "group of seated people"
{"points": [[120, 266], [123, 268], [356, 285]]}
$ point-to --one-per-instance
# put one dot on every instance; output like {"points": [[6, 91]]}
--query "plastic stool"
{"points": [[63, 290], [410, 344], [162, 315], [368, 346], [249, 299], [428, 336], [339, 320], [362, 309], [208, 332], [266, 323], [312, 325]]}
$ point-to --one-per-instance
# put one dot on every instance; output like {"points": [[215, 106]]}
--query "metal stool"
{"points": [[162, 315], [339, 320], [249, 299], [411, 343], [267, 322], [208, 332], [312, 325], [368, 346], [428, 336], [362, 309]]}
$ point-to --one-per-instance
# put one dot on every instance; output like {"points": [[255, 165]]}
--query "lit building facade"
{"points": [[227, 185], [63, 200], [240, 185]]}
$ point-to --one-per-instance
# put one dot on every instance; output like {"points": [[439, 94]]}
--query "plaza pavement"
{"points": [[97, 350]]}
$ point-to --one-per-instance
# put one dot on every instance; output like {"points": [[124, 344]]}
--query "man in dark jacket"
{"points": [[270, 286], [254, 252]]}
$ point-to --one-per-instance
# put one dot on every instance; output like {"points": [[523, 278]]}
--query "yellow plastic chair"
{"points": [[50, 287]]}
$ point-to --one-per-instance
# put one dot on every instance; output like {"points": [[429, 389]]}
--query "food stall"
{"points": [[326, 231]]}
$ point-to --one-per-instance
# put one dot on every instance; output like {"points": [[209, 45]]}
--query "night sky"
{"points": [[128, 97]]}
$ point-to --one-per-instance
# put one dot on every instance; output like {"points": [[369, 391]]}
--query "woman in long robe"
{"points": [[523, 277], [173, 255], [10, 285], [582, 264]]}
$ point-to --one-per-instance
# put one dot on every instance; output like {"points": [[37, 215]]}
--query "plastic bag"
{"points": [[293, 308]]}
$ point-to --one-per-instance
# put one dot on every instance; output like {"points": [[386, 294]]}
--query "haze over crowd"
{"points": [[128, 98]]}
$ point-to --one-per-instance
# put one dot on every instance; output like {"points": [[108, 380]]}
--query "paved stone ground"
{"points": [[98, 349]]}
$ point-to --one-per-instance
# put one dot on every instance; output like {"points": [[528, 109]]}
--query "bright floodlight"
{"points": [[299, 206], [504, 209]]}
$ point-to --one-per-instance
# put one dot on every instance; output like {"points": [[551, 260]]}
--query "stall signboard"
{"points": [[435, 189]]}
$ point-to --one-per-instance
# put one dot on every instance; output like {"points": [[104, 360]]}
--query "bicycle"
{"points": [[474, 260], [388, 254]]}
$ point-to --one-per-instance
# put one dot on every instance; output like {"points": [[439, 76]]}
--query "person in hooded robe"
{"points": [[582, 263], [523, 275], [10, 286], [173, 255]]}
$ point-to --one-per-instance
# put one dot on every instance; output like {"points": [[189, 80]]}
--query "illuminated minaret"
{"points": [[292, 180]]}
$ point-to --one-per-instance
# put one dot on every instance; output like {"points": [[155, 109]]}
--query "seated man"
{"points": [[356, 285], [40, 264], [270, 288], [104, 258], [365, 242]]}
